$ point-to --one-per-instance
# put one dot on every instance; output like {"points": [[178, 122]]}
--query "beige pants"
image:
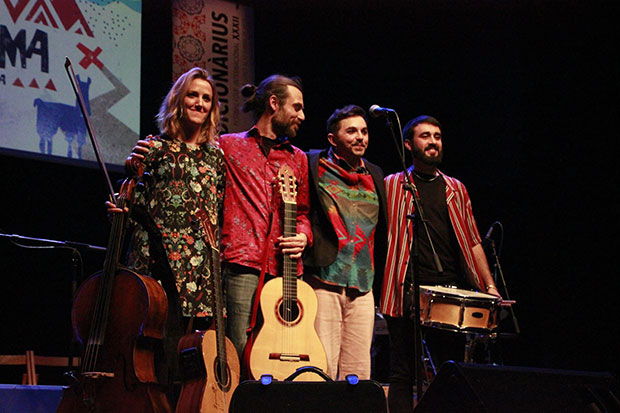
{"points": [[345, 324]]}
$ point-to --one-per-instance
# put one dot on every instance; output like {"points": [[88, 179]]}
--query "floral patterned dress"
{"points": [[180, 182]]}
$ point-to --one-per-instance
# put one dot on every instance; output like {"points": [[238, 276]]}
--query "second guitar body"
{"points": [[210, 386], [286, 341]]}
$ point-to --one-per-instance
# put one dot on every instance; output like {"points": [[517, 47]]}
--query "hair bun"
{"points": [[248, 90]]}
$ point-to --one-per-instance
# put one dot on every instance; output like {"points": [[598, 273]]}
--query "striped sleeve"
{"points": [[464, 224], [399, 237]]}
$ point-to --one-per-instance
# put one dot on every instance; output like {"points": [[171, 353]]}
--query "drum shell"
{"points": [[458, 310]]}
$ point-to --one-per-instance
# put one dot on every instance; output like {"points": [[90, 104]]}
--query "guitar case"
{"points": [[308, 396]]}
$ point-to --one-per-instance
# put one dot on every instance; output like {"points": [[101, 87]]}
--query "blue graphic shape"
{"points": [[135, 5], [52, 116]]}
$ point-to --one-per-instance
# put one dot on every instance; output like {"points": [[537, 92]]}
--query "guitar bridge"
{"points": [[289, 357]]}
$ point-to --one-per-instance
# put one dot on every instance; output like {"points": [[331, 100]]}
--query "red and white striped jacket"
{"points": [[400, 237]]}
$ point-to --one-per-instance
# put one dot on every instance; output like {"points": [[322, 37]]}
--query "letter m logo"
{"points": [[9, 46]]}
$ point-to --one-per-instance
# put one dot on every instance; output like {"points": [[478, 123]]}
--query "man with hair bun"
{"points": [[252, 211], [345, 263], [252, 226]]}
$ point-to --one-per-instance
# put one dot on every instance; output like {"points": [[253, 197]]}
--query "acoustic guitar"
{"points": [[209, 389], [287, 339]]}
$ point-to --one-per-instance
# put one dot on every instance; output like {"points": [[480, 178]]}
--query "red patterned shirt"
{"points": [[400, 236], [252, 200]]}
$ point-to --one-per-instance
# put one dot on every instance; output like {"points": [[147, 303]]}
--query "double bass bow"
{"points": [[118, 316]]}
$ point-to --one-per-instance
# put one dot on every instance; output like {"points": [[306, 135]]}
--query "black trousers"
{"points": [[443, 345]]}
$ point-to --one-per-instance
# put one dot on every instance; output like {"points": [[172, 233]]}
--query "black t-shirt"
{"points": [[432, 190]]}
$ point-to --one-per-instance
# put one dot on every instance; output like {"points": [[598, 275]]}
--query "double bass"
{"points": [[118, 316]]}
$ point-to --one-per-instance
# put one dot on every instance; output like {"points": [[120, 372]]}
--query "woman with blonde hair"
{"points": [[179, 191]]}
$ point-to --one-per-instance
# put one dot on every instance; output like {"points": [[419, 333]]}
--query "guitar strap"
{"points": [[259, 287], [252, 331]]}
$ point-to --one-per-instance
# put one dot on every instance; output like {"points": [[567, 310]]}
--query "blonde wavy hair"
{"points": [[172, 108]]}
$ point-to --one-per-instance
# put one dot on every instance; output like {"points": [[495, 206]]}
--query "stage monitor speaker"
{"points": [[19, 398], [484, 388], [308, 396]]}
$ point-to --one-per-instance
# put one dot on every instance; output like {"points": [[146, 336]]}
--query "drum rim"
{"points": [[450, 327], [432, 289]]}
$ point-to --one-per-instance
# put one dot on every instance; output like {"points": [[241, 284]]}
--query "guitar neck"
{"points": [[209, 234], [289, 271], [219, 304]]}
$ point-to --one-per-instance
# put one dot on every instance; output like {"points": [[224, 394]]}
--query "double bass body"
{"points": [[119, 373]]}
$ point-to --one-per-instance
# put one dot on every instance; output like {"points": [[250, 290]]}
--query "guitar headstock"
{"points": [[288, 184], [206, 229]]}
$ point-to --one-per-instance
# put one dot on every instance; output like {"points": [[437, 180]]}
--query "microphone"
{"points": [[376, 111], [490, 231], [487, 238]]}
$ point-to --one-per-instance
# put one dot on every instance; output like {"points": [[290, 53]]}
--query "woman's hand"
{"points": [[113, 209], [136, 157]]}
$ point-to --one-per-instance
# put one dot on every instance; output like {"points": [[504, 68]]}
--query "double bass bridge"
{"points": [[97, 375]]}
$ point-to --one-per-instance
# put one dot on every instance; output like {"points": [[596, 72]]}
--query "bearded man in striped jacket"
{"points": [[456, 239]]}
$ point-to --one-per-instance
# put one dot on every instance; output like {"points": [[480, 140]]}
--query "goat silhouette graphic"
{"points": [[52, 116]]}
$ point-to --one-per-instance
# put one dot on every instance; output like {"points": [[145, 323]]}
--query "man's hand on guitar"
{"points": [[294, 246]]}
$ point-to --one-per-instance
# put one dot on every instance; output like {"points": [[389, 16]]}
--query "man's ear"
{"points": [[331, 139], [408, 144], [274, 103]]}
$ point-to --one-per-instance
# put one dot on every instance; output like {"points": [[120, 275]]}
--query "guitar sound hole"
{"points": [[289, 314], [222, 375]]}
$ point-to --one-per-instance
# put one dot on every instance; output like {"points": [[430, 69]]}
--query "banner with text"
{"points": [[218, 36]]}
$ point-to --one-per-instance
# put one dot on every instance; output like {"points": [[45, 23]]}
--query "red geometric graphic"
{"points": [[50, 85], [43, 14], [18, 83], [40, 12], [70, 14], [90, 56], [16, 10], [34, 84]]}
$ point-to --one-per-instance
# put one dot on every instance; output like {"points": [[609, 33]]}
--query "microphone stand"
{"points": [[67, 244], [416, 218], [497, 271], [76, 271]]}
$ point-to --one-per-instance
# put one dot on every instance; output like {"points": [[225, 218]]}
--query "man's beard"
{"points": [[428, 160], [282, 128]]}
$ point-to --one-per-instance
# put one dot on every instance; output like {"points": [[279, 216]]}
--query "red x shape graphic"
{"points": [[90, 56]]}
